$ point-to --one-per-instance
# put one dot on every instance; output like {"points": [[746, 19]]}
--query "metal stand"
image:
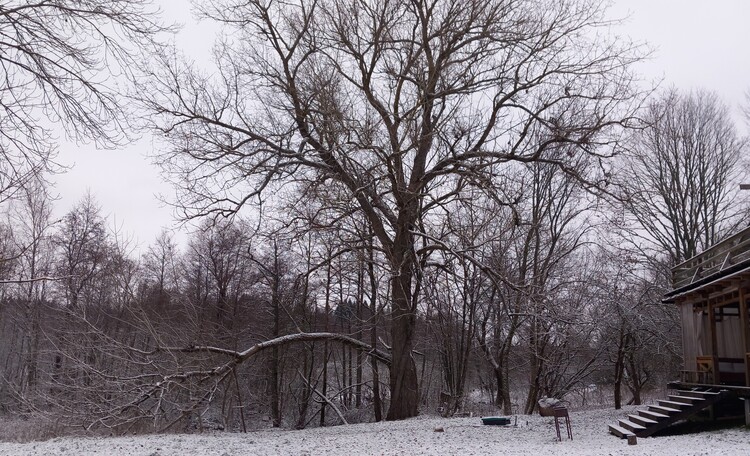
{"points": [[562, 412]]}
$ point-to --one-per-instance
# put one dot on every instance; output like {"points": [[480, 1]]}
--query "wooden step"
{"points": [[642, 420], [619, 431], [685, 399], [657, 417], [699, 394], [630, 426], [652, 415], [664, 410], [673, 405]]}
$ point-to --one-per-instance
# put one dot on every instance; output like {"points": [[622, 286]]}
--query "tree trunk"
{"points": [[276, 304], [619, 369], [636, 380], [500, 384], [326, 353], [360, 299], [374, 334], [403, 379]]}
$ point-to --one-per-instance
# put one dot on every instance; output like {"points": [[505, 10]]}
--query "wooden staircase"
{"points": [[677, 407]]}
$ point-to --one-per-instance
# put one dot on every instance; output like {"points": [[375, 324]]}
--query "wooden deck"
{"points": [[714, 262], [739, 391]]}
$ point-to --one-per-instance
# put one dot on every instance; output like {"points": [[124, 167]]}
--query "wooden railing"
{"points": [[710, 372], [717, 258]]}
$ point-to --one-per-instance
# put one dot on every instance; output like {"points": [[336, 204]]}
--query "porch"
{"points": [[711, 291]]}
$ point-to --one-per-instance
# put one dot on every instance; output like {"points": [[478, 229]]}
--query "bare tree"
{"points": [[160, 265], [32, 227], [683, 173], [392, 105], [638, 335], [26, 261], [83, 251]]}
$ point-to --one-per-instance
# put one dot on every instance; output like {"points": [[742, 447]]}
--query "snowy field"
{"points": [[534, 435]]}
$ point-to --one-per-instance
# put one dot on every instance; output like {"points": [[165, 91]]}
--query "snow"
{"points": [[534, 435]]}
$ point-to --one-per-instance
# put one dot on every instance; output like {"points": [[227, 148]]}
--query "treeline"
{"points": [[525, 303]]}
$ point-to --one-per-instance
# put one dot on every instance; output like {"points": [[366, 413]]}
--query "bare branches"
{"points": [[379, 98], [34, 279], [55, 59], [682, 174]]}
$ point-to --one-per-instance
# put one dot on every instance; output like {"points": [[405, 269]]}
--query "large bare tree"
{"points": [[683, 174], [393, 105]]}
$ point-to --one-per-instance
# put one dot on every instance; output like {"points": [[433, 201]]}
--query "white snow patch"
{"points": [[534, 435]]}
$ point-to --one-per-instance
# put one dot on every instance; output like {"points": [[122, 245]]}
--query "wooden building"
{"points": [[712, 291]]}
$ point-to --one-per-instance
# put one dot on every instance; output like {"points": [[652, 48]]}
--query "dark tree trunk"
{"points": [[326, 352], [358, 324], [619, 369], [374, 334], [535, 368], [637, 378], [376, 377], [500, 384], [276, 304], [403, 379]]}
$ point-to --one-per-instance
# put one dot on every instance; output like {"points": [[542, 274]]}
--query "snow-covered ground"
{"points": [[534, 435]]}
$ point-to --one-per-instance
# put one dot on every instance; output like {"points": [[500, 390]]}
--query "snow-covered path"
{"points": [[534, 436]]}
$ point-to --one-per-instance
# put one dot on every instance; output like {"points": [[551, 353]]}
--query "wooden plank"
{"points": [[652, 415], [663, 410], [618, 431], [741, 391], [714, 342], [745, 325], [682, 399], [642, 420], [631, 426], [698, 394], [673, 404]]}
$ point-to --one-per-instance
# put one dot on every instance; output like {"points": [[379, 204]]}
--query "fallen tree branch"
{"points": [[222, 371], [282, 340]]}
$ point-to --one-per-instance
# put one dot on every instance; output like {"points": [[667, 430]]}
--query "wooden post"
{"points": [[745, 325], [632, 440], [714, 341], [747, 411]]}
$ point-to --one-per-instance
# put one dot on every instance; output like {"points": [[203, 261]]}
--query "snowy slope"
{"points": [[534, 435]]}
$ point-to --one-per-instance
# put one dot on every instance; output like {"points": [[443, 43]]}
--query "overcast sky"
{"points": [[696, 43]]}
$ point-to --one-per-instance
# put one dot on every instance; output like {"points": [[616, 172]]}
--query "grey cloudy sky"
{"points": [[696, 43]]}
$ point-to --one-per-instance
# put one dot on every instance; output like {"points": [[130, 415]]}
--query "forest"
{"points": [[397, 208]]}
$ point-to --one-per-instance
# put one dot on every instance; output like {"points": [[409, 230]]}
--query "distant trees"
{"points": [[31, 258], [58, 64], [394, 108], [682, 177], [638, 335]]}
